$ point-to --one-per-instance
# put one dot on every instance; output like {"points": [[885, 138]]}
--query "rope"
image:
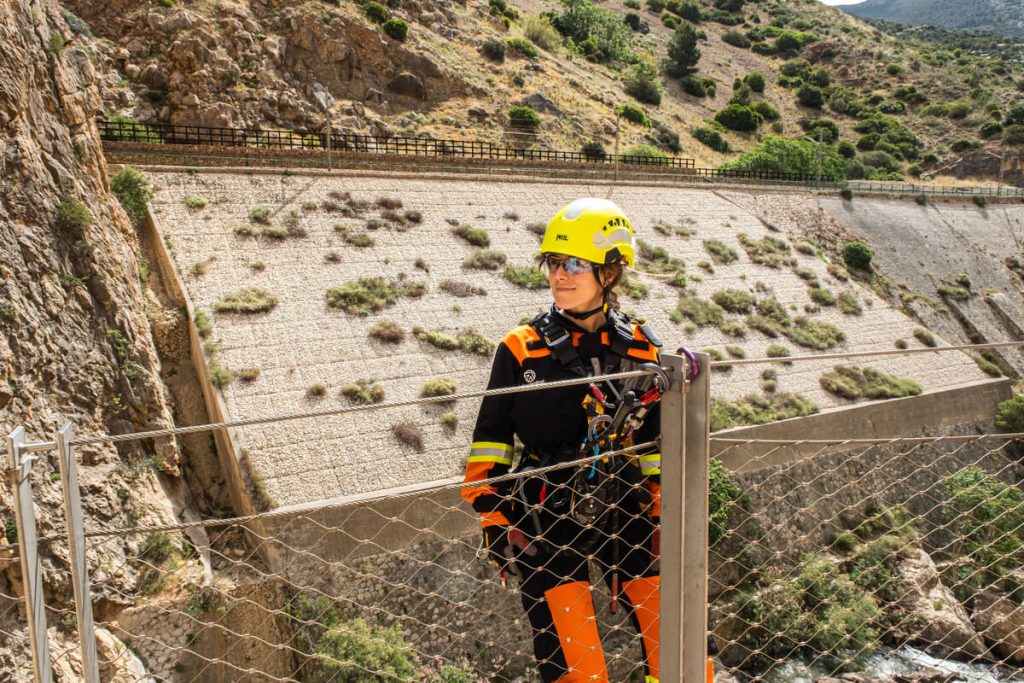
{"points": [[136, 436], [386, 494], [900, 439], [861, 354]]}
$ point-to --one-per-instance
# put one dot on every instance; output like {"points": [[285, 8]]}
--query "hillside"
{"points": [[768, 68], [1001, 16]]}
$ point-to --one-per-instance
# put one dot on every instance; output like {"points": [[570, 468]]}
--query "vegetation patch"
{"points": [[734, 300], [478, 237], [73, 216], [133, 191], [436, 338], [485, 259], [247, 300], [848, 303], [359, 240], [196, 202], [633, 288], [368, 295], [387, 331], [1010, 414], [814, 334], [460, 289], [769, 251], [755, 410], [438, 387], [822, 297], [698, 311], [777, 351], [847, 381], [857, 255], [924, 336], [363, 392], [720, 253], [526, 277], [657, 259], [770, 318], [409, 433]]}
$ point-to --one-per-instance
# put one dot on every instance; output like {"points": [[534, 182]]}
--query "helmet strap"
{"points": [[586, 314]]}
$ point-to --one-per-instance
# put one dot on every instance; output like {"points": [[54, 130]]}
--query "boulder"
{"points": [[408, 85], [422, 65], [478, 113], [946, 628], [539, 102], [1000, 621]]}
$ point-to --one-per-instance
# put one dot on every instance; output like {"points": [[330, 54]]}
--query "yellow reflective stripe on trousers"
{"points": [[490, 451], [650, 464]]}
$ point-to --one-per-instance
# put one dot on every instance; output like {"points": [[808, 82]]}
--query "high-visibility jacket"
{"points": [[549, 420]]}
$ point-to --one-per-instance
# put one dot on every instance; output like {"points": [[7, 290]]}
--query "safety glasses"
{"points": [[572, 265]]}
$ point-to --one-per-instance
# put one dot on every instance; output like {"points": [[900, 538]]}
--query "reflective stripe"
{"points": [[650, 464], [490, 451]]}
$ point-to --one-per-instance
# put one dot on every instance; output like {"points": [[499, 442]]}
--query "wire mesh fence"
{"points": [[872, 558], [891, 557]]}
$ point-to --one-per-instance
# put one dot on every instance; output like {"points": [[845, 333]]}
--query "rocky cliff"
{"points": [[75, 342]]}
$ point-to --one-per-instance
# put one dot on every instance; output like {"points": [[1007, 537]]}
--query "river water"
{"points": [[903, 660]]}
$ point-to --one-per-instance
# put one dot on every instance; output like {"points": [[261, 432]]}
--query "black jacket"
{"points": [[550, 420]]}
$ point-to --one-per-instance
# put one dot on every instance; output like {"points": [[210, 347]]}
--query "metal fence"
{"points": [[399, 146], [807, 559], [387, 586], [918, 189]]}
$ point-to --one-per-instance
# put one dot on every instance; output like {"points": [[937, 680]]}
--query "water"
{"points": [[903, 660]]}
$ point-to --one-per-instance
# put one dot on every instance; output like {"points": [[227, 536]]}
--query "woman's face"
{"points": [[573, 291]]}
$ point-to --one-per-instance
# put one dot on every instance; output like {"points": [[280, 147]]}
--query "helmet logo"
{"points": [[561, 238], [530, 376]]}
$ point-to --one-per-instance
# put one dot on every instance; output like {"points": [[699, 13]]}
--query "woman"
{"points": [[543, 529]]}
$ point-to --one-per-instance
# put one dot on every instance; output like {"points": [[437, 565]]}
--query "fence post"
{"points": [[19, 476], [684, 524], [76, 552]]}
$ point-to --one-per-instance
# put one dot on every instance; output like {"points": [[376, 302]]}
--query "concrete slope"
{"points": [[303, 341]]}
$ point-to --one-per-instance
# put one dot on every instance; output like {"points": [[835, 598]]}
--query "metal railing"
{"points": [[400, 146], [370, 587]]}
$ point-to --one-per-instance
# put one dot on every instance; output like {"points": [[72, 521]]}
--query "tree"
{"points": [[683, 53], [786, 155], [641, 81]]}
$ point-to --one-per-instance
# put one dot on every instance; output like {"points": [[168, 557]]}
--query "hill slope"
{"points": [[464, 65], [1001, 16]]}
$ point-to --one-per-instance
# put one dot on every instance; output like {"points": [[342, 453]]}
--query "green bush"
{"points": [[776, 154], [368, 295], [766, 110], [857, 255], [644, 154], [349, 650], [738, 117], [670, 21], [687, 9], [755, 80], [484, 259], [376, 12], [734, 300], [825, 128], [526, 277], [991, 129], [247, 300], [810, 96], [698, 86], [634, 114], [698, 311], [768, 251], [594, 150], [494, 50], [542, 32], [963, 144], [712, 138], [1014, 135], [720, 253], [641, 81], [523, 116], [73, 216], [478, 237], [1010, 414], [595, 31], [133, 191], [396, 28], [852, 382], [736, 39], [756, 410], [722, 490], [523, 47], [987, 515], [814, 334]]}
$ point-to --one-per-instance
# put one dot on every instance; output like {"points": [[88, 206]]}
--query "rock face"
{"points": [[74, 338], [945, 626], [1000, 621], [248, 65]]}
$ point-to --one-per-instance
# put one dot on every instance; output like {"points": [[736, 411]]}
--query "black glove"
{"points": [[503, 544]]}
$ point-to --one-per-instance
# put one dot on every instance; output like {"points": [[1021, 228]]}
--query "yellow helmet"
{"points": [[591, 229]]}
